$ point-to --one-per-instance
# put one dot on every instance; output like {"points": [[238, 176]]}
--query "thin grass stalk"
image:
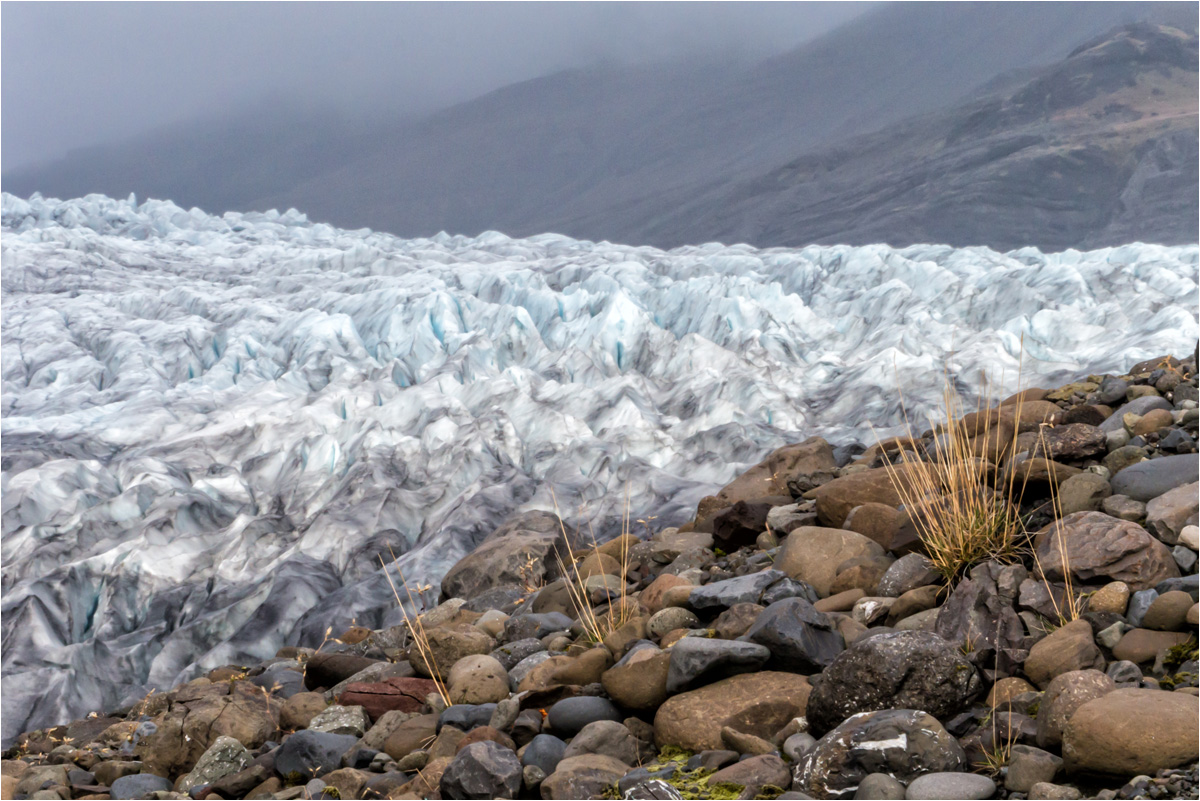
{"points": [[417, 629]]}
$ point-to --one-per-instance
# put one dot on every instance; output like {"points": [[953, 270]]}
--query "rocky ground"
{"points": [[791, 641]]}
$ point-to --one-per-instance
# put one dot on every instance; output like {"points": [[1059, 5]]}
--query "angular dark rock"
{"points": [[799, 638], [696, 660], [482, 769]]}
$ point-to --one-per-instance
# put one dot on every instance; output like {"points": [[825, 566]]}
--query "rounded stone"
{"points": [[477, 679], [879, 786], [1168, 612], [1131, 732], [1112, 597], [951, 785], [570, 715], [669, 619], [544, 751]]}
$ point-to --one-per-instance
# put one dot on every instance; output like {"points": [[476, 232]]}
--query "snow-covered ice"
{"points": [[213, 426]]}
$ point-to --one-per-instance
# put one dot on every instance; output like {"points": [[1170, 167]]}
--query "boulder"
{"points": [[338, 719], [570, 715], [1143, 645], [798, 638], [812, 554], [772, 474], [477, 679], [585, 776], [980, 615], [1112, 597], [759, 703], [225, 756], [964, 786], [651, 597], [299, 709], [197, 716], [323, 671], [1096, 547], [1138, 406], [736, 620], [525, 550], [311, 754], [837, 498], [1147, 480], [883, 524], [609, 738], [740, 524], [1168, 612], [1085, 492], [544, 751], [904, 743], [139, 785], [738, 590], [409, 735], [1066, 693], [908, 573], [1069, 648], [902, 670], [754, 773], [695, 660], [402, 695], [862, 573], [639, 681], [1167, 514], [483, 769], [448, 644], [1073, 442], [1027, 766], [1133, 732]]}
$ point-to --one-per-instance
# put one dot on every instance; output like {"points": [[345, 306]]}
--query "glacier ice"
{"points": [[214, 426]]}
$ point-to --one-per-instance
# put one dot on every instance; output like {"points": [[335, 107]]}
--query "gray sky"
{"points": [[77, 74]]}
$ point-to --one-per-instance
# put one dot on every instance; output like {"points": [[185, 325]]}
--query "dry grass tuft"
{"points": [[597, 627], [417, 629]]}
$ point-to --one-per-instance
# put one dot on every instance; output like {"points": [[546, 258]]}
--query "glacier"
{"points": [[214, 426]]}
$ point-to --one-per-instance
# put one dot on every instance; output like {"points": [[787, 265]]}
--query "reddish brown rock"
{"points": [[754, 703], [404, 695]]}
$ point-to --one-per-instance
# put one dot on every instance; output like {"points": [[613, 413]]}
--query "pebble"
{"points": [[951, 785]]}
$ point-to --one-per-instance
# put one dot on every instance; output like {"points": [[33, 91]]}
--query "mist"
{"points": [[81, 74]]}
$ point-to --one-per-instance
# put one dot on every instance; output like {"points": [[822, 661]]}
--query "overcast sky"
{"points": [[76, 74]]}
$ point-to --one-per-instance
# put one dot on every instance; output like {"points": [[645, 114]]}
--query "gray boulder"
{"points": [[1147, 480], [695, 660], [800, 639], [311, 754], [484, 769], [739, 590], [904, 743], [901, 670]]}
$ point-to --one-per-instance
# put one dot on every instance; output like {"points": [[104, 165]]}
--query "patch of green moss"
{"points": [[295, 779], [1182, 679], [673, 753], [333, 792], [1034, 707], [1178, 654], [724, 790]]}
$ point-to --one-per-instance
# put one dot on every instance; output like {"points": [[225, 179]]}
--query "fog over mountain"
{"points": [[650, 153]]}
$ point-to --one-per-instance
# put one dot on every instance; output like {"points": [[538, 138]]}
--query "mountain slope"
{"points": [[603, 153], [1096, 150]]}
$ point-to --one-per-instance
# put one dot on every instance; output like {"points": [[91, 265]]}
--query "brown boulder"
{"points": [[882, 523], [771, 475], [651, 597], [837, 498], [755, 773], [1168, 612], [813, 554], [447, 645], [198, 716], [1132, 732], [1073, 442], [1096, 547], [1071, 647], [376, 698], [525, 550], [640, 682], [477, 679], [755, 703], [1144, 645], [1066, 693], [863, 573], [411, 735], [299, 709]]}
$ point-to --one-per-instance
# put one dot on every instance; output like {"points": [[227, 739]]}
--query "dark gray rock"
{"points": [[139, 785], [907, 573], [502, 598], [904, 743], [465, 717], [799, 638], [570, 715], [1147, 480], [980, 614], [312, 753], [696, 660], [789, 588], [1177, 441], [1124, 672], [1027, 766], [1111, 392], [510, 654], [1189, 584], [545, 751], [520, 670], [280, 680], [738, 590], [903, 670], [484, 769], [523, 627]]}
